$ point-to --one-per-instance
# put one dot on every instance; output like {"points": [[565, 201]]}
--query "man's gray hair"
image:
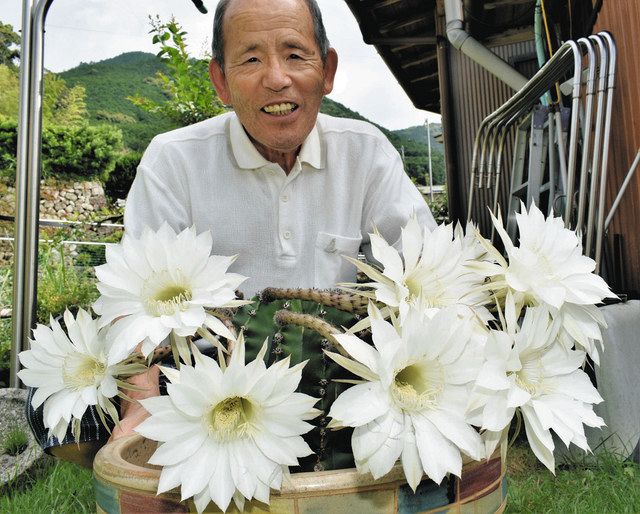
{"points": [[217, 44]]}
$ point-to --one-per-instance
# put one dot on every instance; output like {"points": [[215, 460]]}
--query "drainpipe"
{"points": [[477, 52]]}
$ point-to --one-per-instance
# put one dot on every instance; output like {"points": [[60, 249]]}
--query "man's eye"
{"points": [[252, 59], [294, 56]]}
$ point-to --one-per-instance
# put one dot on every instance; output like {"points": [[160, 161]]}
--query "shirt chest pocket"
{"points": [[330, 265]]}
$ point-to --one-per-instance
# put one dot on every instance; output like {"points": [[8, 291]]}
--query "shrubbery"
{"points": [[60, 284], [120, 179], [81, 151]]}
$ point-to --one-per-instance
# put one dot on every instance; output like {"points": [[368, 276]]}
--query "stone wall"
{"points": [[77, 201], [70, 201], [74, 201]]}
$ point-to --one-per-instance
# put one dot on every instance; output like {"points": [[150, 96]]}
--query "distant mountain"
{"points": [[419, 135], [108, 83]]}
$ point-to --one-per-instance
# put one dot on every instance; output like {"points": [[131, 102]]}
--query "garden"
{"points": [[75, 152]]}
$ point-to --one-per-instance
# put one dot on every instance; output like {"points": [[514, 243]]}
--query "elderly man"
{"points": [[286, 189]]}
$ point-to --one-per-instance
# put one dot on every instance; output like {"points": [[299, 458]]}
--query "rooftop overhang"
{"points": [[405, 33]]}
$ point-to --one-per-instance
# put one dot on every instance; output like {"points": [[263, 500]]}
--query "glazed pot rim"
{"points": [[111, 466]]}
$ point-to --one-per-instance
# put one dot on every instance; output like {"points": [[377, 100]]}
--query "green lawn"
{"points": [[607, 486]]}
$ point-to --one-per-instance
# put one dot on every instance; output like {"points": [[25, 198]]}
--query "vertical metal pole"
{"points": [[430, 169], [28, 178], [21, 191], [605, 146]]}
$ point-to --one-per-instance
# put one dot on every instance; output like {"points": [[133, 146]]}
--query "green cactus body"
{"points": [[332, 448]]}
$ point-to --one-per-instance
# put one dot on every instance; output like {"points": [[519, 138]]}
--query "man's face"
{"points": [[274, 76]]}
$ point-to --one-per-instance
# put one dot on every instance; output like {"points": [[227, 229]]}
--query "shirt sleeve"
{"points": [[158, 193], [391, 200]]}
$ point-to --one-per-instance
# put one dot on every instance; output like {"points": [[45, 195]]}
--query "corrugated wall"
{"points": [[475, 94], [622, 19]]}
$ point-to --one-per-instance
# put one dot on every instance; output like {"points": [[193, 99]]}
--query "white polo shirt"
{"points": [[287, 230]]}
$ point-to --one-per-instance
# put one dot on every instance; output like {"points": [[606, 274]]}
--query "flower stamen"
{"points": [[230, 419], [418, 385], [79, 371], [165, 297]]}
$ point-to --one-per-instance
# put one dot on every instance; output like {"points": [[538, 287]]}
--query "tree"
{"points": [[190, 95], [9, 40], [10, 87], [61, 105]]}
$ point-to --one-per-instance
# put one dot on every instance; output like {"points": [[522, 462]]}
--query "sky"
{"points": [[92, 30]]}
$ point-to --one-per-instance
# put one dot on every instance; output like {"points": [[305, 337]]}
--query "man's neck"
{"points": [[286, 160]]}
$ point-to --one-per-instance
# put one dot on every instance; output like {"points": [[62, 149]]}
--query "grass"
{"points": [[66, 488], [606, 485], [14, 442]]}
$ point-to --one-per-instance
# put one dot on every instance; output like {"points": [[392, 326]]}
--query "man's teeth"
{"points": [[280, 109]]}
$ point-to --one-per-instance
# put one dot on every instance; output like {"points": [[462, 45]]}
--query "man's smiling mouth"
{"points": [[280, 109]]}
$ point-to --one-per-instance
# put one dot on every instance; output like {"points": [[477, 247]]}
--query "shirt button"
{"points": [[284, 198], [286, 234]]}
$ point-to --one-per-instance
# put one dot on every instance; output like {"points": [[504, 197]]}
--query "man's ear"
{"points": [[219, 80], [330, 67]]}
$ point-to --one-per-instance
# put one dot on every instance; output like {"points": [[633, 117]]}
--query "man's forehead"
{"points": [[252, 26], [266, 8]]}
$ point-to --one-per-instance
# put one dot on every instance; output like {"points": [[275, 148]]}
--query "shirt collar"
{"points": [[248, 157]]}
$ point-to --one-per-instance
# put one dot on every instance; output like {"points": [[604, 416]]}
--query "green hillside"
{"points": [[419, 135], [108, 83]]}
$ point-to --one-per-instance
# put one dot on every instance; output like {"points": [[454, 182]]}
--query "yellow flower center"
{"points": [[79, 370], [164, 296], [530, 377], [230, 419], [427, 284], [419, 385]]}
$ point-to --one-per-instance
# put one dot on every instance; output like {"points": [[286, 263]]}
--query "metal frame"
{"points": [[34, 13]]}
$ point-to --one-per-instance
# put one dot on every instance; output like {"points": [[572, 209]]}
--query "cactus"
{"points": [[332, 448], [329, 298]]}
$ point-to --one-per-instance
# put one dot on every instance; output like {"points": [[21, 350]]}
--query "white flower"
{"points": [[413, 400], [228, 433], [69, 372], [528, 369], [433, 266], [547, 267], [159, 284]]}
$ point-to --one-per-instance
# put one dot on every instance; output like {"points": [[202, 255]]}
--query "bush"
{"points": [[60, 284], [8, 146], [74, 152], [82, 152], [120, 179]]}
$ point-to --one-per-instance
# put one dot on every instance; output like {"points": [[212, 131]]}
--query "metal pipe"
{"points": [[605, 146], [28, 180], [597, 140], [524, 98], [573, 130], [496, 192], [562, 152], [21, 199], [623, 188], [477, 52], [430, 166], [474, 161], [552, 162], [588, 112]]}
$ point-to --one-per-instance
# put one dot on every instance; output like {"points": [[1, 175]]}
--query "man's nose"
{"points": [[276, 76]]}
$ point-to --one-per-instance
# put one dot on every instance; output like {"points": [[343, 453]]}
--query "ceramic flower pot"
{"points": [[124, 483]]}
